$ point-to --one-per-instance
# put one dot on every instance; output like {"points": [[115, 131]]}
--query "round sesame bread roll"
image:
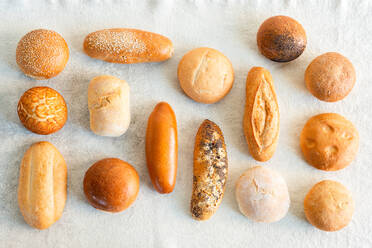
{"points": [[42, 54]]}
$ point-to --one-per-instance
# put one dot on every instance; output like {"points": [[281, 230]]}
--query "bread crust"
{"points": [[329, 141], [127, 46], [42, 187], [205, 75], [261, 116], [42, 54], [329, 206], [210, 171], [330, 77], [42, 110], [109, 105], [162, 148]]}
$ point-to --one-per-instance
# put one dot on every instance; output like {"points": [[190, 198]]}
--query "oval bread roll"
{"points": [[210, 171], [108, 102], [261, 117], [42, 187], [161, 148], [127, 46]]}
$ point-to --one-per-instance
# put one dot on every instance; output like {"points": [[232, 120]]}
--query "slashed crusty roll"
{"points": [[108, 102], [210, 171], [261, 117], [42, 188], [127, 46]]}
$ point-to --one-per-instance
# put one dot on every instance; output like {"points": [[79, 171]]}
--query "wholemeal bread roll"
{"points": [[262, 195], [127, 46], [42, 110], [42, 187], [210, 171], [162, 148], [42, 54], [111, 185], [329, 206], [330, 77], [281, 39], [329, 142], [261, 116], [108, 102], [205, 75]]}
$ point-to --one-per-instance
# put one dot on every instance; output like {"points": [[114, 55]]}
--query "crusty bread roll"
{"points": [[329, 141], [162, 148], [111, 185], [262, 195], [42, 54], [261, 116], [127, 46], [108, 102], [330, 77], [42, 110], [205, 75], [281, 39], [329, 206], [210, 171], [42, 187]]}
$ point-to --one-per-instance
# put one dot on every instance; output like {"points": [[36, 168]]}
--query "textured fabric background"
{"points": [[164, 221]]}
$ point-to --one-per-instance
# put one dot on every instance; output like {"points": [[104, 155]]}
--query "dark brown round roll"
{"points": [[281, 39], [111, 185]]}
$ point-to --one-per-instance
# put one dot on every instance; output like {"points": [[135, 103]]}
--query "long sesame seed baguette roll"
{"points": [[128, 46]]}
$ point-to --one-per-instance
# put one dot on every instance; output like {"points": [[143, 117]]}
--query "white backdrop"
{"points": [[156, 220]]}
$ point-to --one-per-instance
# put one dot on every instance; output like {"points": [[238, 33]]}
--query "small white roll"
{"points": [[108, 102], [262, 195]]}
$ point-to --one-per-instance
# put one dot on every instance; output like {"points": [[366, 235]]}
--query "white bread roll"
{"points": [[108, 102]]}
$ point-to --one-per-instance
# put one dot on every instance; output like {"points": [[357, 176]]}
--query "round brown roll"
{"points": [[329, 206], [330, 77], [205, 75], [329, 142], [42, 110], [111, 185], [42, 54], [281, 39]]}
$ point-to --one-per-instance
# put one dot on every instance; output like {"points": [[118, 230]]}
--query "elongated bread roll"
{"points": [[108, 102], [42, 188], [210, 171], [161, 148], [261, 117], [127, 46]]}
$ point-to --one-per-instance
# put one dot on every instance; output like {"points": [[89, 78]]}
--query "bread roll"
{"points": [[127, 46], [42, 54], [281, 39], [205, 75], [108, 102], [42, 110], [330, 77], [262, 195], [210, 171], [329, 142], [162, 148], [329, 206], [261, 116], [111, 185], [42, 187]]}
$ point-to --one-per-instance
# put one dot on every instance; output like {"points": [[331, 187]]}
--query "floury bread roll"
{"points": [[127, 46], [42, 187], [108, 102]]}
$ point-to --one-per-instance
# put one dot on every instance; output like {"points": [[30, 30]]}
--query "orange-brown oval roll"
{"points": [[161, 148]]}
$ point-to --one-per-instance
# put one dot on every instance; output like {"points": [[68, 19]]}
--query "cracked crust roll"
{"points": [[210, 171], [205, 75], [42, 110], [108, 103], [261, 116]]}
